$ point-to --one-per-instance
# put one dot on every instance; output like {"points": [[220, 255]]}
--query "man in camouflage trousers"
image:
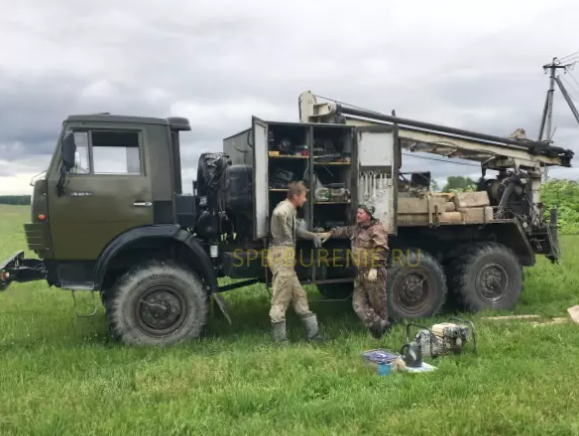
{"points": [[369, 250], [281, 261]]}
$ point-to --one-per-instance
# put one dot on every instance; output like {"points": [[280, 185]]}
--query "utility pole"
{"points": [[547, 118]]}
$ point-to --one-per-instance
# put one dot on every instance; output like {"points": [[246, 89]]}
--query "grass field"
{"points": [[62, 375]]}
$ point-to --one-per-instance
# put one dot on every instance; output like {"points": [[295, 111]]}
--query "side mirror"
{"points": [[68, 152]]}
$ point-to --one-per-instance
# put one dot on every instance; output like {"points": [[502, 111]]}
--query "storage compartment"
{"points": [[331, 180], [283, 171], [287, 140], [340, 165], [332, 145], [281, 152]]}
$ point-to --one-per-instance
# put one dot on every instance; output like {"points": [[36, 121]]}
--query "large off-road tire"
{"points": [[488, 276], [336, 291], [416, 285], [157, 303]]}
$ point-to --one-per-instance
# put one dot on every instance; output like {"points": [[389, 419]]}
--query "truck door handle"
{"points": [[142, 204]]}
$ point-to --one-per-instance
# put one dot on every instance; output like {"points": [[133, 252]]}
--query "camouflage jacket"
{"points": [[369, 243]]}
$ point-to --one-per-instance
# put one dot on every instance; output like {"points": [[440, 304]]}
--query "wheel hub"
{"points": [[413, 291], [492, 281], [160, 311]]}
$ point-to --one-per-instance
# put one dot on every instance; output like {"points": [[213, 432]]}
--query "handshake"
{"points": [[320, 238]]}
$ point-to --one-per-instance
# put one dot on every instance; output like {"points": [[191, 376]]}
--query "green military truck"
{"points": [[109, 214]]}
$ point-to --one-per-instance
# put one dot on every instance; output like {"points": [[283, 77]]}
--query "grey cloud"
{"points": [[6, 171]]}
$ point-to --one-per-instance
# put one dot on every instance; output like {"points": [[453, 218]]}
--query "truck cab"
{"points": [[108, 175]]}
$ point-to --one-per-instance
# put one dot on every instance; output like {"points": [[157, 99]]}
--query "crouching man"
{"points": [[370, 251], [281, 260]]}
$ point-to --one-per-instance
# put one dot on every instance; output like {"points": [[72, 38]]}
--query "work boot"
{"points": [[313, 333], [380, 329], [279, 333]]}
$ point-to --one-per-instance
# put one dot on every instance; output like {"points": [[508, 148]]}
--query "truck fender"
{"points": [[201, 256], [171, 231]]}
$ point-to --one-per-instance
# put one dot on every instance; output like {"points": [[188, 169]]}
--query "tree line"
{"points": [[20, 200]]}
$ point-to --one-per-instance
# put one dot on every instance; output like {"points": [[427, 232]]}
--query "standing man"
{"points": [[281, 260], [370, 250]]}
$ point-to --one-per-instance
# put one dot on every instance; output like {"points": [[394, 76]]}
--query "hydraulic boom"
{"points": [[493, 152]]}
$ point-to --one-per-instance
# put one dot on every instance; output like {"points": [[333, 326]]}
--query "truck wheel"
{"points": [[157, 303], [416, 285], [489, 276], [337, 291]]}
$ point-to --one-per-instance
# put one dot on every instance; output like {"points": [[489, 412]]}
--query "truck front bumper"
{"points": [[18, 269]]}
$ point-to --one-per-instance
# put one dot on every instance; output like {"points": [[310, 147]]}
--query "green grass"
{"points": [[62, 375]]}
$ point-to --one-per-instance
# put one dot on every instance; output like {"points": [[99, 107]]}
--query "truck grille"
{"points": [[37, 237]]}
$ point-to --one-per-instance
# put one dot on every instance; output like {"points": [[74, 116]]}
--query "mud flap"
{"points": [[554, 253], [222, 306]]}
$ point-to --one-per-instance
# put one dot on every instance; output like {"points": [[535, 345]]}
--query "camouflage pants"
{"points": [[286, 286], [369, 298]]}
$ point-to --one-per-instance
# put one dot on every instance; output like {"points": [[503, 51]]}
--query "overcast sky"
{"points": [[463, 64]]}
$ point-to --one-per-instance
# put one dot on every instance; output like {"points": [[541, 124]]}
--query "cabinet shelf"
{"points": [[278, 189], [283, 156], [332, 163]]}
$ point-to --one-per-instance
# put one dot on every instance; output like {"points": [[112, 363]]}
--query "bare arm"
{"points": [[303, 233]]}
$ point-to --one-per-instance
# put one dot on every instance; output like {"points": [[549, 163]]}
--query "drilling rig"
{"points": [[155, 255]]}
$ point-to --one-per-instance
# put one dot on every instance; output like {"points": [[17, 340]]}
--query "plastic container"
{"points": [[382, 361]]}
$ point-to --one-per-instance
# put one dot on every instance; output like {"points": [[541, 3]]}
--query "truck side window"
{"points": [[116, 152], [81, 159]]}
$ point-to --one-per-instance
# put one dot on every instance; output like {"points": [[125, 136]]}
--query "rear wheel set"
{"points": [[482, 276], [486, 276]]}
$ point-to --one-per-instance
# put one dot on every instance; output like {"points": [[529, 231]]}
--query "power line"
{"points": [[574, 79], [568, 56], [575, 93]]}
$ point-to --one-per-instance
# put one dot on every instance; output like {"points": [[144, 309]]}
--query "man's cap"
{"points": [[369, 209]]}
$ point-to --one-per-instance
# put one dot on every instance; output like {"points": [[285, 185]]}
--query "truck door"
{"points": [[378, 159], [107, 192], [260, 179]]}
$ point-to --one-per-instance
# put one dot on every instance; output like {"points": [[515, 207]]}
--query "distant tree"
{"points": [[434, 186], [564, 195], [22, 200], [459, 184]]}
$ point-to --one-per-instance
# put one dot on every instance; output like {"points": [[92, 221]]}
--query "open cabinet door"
{"points": [[378, 163], [260, 179]]}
